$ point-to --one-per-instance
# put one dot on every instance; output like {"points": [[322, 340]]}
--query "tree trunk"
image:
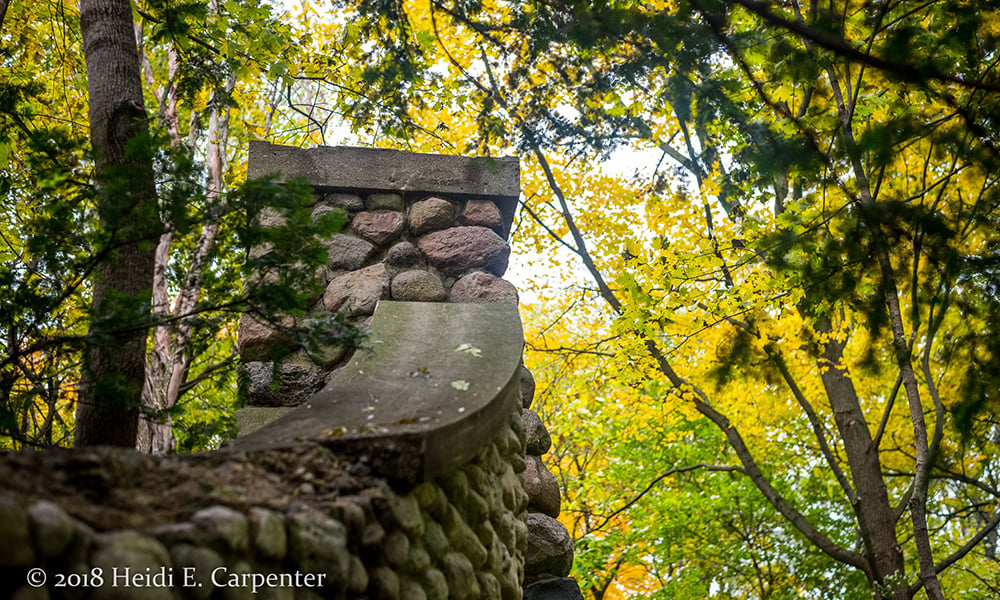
{"points": [[111, 386], [876, 521]]}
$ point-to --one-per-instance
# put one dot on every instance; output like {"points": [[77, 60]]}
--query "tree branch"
{"points": [[658, 479]]}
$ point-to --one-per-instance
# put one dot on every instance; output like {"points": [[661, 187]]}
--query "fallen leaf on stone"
{"points": [[469, 349]]}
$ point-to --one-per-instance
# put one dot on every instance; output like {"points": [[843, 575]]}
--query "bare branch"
{"points": [[658, 479]]}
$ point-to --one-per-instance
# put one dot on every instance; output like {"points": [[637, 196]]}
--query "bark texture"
{"points": [[111, 387]]}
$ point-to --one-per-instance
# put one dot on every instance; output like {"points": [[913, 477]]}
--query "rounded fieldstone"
{"points": [[396, 548], [461, 576], [527, 387], [476, 508], [550, 548], [351, 202], [17, 550], [510, 442], [348, 252], [537, 438], [510, 582], [52, 527], [402, 255], [506, 528], [464, 540], [488, 585], [386, 201], [411, 590], [512, 491], [321, 209], [476, 475], [129, 550], [226, 524], [326, 355], [296, 384], [553, 588], [383, 584], [373, 535], [499, 557], [458, 249], [436, 539], [358, 292], [267, 532], [435, 584], [359, 580], [238, 592], [351, 515], [456, 485], [418, 560], [269, 218], [483, 288], [380, 227], [431, 214], [405, 512], [517, 463], [417, 286], [201, 561], [541, 487], [257, 341], [425, 494], [517, 422], [318, 544], [483, 213]]}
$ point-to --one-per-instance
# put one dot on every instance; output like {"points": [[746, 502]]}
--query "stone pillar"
{"points": [[422, 228], [549, 555]]}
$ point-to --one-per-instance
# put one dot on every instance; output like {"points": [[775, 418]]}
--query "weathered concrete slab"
{"points": [[437, 382], [252, 418], [343, 168]]}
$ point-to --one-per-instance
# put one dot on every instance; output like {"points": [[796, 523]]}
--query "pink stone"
{"points": [[483, 213], [357, 292], [379, 227], [483, 288], [458, 249]]}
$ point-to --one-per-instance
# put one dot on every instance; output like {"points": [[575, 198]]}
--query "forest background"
{"points": [[767, 346]]}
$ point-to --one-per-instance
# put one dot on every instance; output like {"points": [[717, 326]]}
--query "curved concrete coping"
{"points": [[433, 386]]}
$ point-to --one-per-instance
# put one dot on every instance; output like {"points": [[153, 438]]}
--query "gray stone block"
{"points": [[431, 214], [483, 288], [537, 438], [348, 252], [541, 487], [357, 292], [417, 286], [16, 549], [550, 548], [554, 588], [52, 527]]}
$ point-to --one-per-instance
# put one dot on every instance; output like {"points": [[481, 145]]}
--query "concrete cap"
{"points": [[344, 168], [435, 384]]}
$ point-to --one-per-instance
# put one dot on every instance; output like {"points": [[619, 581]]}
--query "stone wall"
{"points": [[460, 536], [410, 470]]}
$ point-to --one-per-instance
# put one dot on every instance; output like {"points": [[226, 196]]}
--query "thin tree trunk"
{"points": [[876, 520], [170, 359], [114, 365]]}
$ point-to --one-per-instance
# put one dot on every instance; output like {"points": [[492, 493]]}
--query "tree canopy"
{"points": [[770, 351]]}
